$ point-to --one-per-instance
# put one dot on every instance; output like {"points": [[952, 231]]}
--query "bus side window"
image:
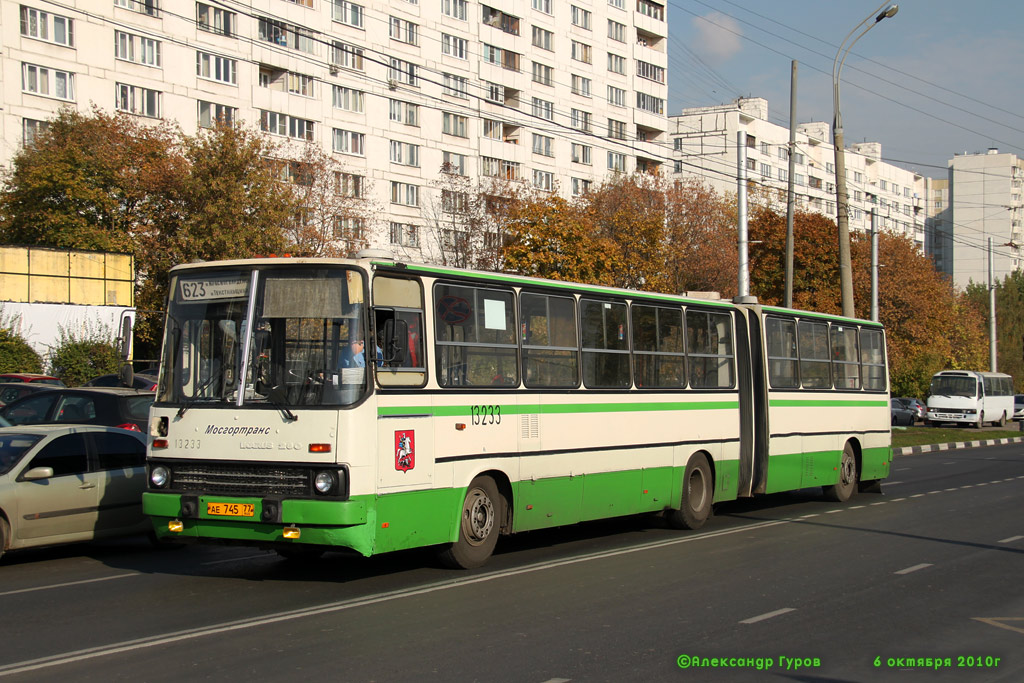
{"points": [[398, 330]]}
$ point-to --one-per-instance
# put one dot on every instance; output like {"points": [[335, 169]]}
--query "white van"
{"points": [[970, 397]]}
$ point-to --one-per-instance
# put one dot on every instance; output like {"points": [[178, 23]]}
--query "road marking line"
{"points": [[69, 583], [262, 556], [967, 486], [1011, 539], [931, 492], [832, 512], [994, 621], [558, 680], [896, 500], [881, 502], [902, 469], [952, 489], [890, 483], [949, 463], [769, 615], [913, 569], [809, 516], [982, 483], [857, 507], [918, 495]]}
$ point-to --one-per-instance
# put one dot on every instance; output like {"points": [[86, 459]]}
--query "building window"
{"points": [[616, 31], [581, 154], [349, 142], [405, 153], [344, 56], [581, 120], [650, 71], [580, 186], [646, 102], [616, 64], [498, 19], [30, 129], [814, 182], [494, 92], [287, 35], [543, 38], [150, 7], [580, 17], [580, 85], [405, 194], [349, 184], [454, 202], [348, 13], [210, 114], [404, 112], [582, 52], [215, 19], [504, 58], [132, 48], [454, 124], [617, 96], [453, 163], [651, 9], [620, 4], [456, 86], [783, 175], [541, 5], [349, 228], [543, 109], [543, 74], [455, 9], [404, 31], [798, 159], [348, 99], [405, 234], [52, 28], [216, 68], [41, 80], [543, 180], [616, 129], [136, 100], [617, 162], [403, 72], [454, 46], [544, 145], [493, 129], [289, 126]]}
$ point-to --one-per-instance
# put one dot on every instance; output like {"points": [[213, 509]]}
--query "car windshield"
{"points": [[954, 385], [304, 320], [12, 447]]}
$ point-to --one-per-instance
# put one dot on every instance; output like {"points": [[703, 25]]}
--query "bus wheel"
{"points": [[841, 491], [695, 507], [1002, 419], [479, 526], [981, 420]]}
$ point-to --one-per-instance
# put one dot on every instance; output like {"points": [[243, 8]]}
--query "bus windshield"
{"points": [[954, 385], [279, 336]]}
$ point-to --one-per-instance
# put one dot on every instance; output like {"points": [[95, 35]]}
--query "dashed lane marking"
{"points": [[915, 568], [768, 615]]}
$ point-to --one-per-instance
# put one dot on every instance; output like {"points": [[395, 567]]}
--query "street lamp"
{"points": [[842, 205]]}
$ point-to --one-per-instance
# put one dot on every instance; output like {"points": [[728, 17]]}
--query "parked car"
{"points": [[140, 381], [901, 414], [12, 391], [66, 483], [1018, 407], [31, 377], [919, 408], [109, 406]]}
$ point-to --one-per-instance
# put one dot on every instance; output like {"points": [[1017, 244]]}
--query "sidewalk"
{"points": [[915, 450]]}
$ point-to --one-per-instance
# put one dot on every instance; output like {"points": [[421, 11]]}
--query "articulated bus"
{"points": [[375, 405]]}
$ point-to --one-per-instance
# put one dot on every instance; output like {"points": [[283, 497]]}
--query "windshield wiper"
{"points": [[188, 404], [278, 397]]}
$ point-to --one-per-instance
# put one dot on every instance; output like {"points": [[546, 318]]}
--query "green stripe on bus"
{"points": [[825, 403], [559, 408]]}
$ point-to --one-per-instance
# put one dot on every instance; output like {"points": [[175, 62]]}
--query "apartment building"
{"points": [[704, 143], [555, 93], [983, 201]]}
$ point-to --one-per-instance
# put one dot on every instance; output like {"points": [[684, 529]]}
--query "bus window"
{"points": [[782, 363], [709, 349], [476, 343], [550, 349], [658, 347], [845, 358], [398, 307], [605, 344], [872, 360], [815, 368]]}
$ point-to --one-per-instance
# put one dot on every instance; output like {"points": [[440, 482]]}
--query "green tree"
{"points": [[16, 354], [78, 357]]}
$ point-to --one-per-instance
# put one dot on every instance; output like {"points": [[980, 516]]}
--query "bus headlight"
{"points": [[159, 476], [325, 482]]}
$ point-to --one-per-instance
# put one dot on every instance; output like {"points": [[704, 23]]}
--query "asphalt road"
{"points": [[885, 587]]}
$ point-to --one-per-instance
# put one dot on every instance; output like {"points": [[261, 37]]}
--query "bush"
{"points": [[16, 355], [78, 358]]}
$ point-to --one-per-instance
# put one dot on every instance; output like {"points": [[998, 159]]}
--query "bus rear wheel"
{"points": [[479, 526], [841, 491], [695, 507]]}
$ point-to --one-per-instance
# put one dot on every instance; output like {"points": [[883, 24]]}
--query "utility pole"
{"points": [[874, 265], [790, 196], [743, 289], [992, 362]]}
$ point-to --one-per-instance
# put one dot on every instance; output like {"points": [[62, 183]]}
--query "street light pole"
{"points": [[842, 202]]}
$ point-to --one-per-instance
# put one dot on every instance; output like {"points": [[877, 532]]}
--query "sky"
{"points": [[941, 77]]}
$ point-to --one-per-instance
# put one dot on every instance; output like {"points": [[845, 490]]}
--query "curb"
{"points": [[916, 450]]}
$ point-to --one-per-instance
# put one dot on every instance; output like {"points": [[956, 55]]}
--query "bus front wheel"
{"points": [[841, 491], [695, 507], [479, 526]]}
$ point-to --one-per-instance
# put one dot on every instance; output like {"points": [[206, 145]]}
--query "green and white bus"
{"points": [[375, 405]]}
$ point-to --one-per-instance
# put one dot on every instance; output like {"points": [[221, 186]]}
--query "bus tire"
{"points": [[1002, 419], [479, 526], [981, 420], [841, 491], [695, 506]]}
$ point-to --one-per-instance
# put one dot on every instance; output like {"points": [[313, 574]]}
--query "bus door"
{"points": [[753, 403]]}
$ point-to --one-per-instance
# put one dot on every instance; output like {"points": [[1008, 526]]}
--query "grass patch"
{"points": [[924, 436]]}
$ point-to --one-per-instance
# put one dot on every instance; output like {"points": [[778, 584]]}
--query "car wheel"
{"points": [[4, 534]]}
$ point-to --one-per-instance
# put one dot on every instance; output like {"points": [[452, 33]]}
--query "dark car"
{"points": [[31, 377], [12, 391], [917, 406], [112, 407], [140, 381], [901, 414]]}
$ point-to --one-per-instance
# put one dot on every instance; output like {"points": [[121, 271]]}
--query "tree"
{"points": [[16, 354], [701, 237], [78, 357], [1009, 323]]}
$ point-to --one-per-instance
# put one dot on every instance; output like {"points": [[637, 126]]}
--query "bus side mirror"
{"points": [[396, 341]]}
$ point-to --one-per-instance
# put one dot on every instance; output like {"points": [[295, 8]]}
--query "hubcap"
{"points": [[695, 490], [478, 517]]}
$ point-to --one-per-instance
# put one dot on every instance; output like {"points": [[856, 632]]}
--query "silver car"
{"points": [[66, 483]]}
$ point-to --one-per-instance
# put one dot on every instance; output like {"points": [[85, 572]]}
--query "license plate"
{"points": [[231, 509]]}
